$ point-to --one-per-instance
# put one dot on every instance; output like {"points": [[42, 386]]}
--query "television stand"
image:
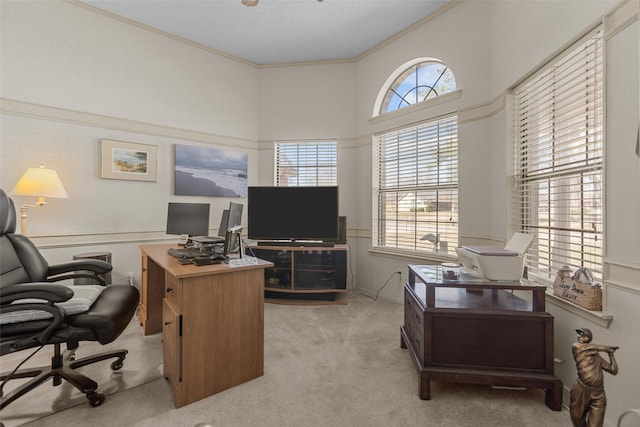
{"points": [[304, 275], [297, 244]]}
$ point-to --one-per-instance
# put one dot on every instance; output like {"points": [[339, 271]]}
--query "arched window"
{"points": [[415, 179], [420, 81]]}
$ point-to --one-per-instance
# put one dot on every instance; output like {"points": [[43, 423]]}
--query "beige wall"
{"points": [[71, 76], [70, 81]]}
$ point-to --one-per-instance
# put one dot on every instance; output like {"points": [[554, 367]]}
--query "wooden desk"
{"points": [[474, 331], [212, 320]]}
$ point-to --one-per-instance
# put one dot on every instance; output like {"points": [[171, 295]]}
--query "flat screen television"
{"points": [[292, 213], [188, 218]]}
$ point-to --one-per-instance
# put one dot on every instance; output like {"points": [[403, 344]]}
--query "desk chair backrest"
{"points": [[20, 260]]}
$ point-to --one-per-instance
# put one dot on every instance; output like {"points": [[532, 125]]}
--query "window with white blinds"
{"points": [[559, 149], [416, 187], [306, 163]]}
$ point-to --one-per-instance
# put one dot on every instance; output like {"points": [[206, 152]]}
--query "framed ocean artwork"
{"points": [[204, 171]]}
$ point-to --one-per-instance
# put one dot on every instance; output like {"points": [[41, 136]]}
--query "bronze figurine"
{"points": [[588, 400]]}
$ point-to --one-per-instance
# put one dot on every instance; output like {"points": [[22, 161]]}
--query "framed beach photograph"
{"points": [[128, 160], [203, 171]]}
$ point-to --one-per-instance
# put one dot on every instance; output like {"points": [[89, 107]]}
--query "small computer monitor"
{"points": [[224, 224], [235, 215], [231, 217], [188, 219]]}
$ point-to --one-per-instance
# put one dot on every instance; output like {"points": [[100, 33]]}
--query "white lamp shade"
{"points": [[40, 182]]}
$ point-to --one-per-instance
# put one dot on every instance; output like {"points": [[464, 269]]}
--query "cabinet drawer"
{"points": [[417, 316], [408, 309], [414, 325], [413, 313], [417, 342], [144, 281], [173, 290]]}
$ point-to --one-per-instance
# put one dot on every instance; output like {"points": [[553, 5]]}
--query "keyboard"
{"points": [[205, 261], [186, 253], [207, 240], [239, 262]]}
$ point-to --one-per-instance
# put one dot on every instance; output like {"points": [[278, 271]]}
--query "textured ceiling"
{"points": [[278, 31]]}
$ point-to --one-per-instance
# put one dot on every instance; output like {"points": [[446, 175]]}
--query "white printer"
{"points": [[494, 263]]}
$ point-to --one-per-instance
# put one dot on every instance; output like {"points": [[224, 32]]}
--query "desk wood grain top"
{"points": [[159, 254]]}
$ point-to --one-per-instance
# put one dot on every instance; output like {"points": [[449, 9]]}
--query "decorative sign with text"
{"points": [[579, 288]]}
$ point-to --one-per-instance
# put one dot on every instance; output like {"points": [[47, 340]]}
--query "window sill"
{"points": [[404, 254], [600, 318]]}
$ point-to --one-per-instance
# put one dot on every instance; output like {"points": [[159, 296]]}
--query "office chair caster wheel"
{"points": [[95, 399], [117, 365]]}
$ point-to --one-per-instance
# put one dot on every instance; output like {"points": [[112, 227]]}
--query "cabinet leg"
{"points": [[424, 388], [402, 343], [553, 396]]}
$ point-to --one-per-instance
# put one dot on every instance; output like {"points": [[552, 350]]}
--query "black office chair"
{"points": [[25, 274]]}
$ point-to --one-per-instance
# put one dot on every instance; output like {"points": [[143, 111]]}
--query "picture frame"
{"points": [[129, 161], [210, 171]]}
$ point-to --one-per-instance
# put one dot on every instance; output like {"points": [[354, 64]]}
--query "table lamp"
{"points": [[40, 183]]}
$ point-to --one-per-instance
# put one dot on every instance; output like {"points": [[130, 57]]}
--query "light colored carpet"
{"points": [[142, 365], [324, 366]]}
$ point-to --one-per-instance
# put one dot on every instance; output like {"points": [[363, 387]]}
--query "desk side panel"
{"points": [[223, 331], [151, 296]]}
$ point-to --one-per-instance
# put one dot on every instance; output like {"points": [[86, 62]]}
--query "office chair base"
{"points": [[63, 367]]}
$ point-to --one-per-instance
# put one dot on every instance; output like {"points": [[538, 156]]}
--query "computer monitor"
{"points": [[224, 224], [235, 214], [231, 217], [190, 219]]}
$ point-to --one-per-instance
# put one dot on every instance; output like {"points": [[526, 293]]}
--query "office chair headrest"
{"points": [[7, 214]]}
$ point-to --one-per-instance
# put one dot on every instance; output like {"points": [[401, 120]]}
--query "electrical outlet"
{"points": [[130, 277]]}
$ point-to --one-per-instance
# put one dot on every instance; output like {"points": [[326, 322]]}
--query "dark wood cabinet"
{"points": [[478, 332]]}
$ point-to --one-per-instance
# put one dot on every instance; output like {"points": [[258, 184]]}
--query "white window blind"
{"points": [[416, 187], [306, 163], [559, 113]]}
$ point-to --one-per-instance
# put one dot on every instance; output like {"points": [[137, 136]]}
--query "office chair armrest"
{"points": [[81, 268], [43, 291], [95, 265], [43, 336]]}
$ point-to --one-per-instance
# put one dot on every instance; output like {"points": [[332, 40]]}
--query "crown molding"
{"points": [[46, 112]]}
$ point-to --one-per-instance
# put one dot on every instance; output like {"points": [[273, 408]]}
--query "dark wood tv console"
{"points": [[304, 275], [476, 331]]}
